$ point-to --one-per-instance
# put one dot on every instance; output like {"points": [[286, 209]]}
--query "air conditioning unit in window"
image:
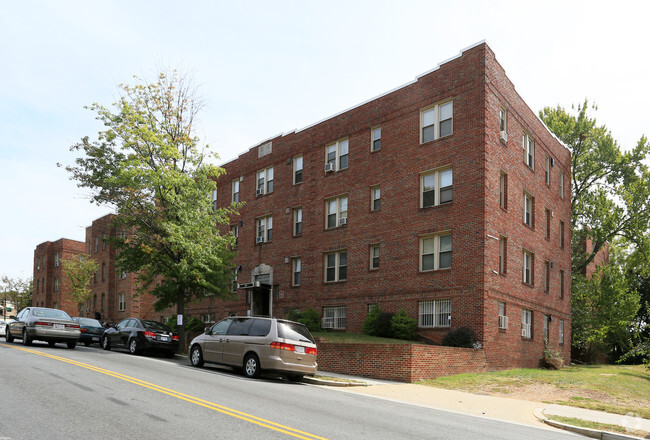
{"points": [[259, 192], [260, 240], [327, 322], [329, 167], [343, 221], [503, 322], [504, 136]]}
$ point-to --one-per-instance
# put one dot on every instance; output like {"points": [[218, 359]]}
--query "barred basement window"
{"points": [[434, 313], [333, 317]]}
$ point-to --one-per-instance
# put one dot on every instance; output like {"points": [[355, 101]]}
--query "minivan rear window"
{"points": [[260, 327], [295, 331]]}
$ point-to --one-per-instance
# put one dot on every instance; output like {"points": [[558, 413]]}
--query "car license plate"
{"points": [[164, 338], [95, 338], [300, 350], [59, 326]]}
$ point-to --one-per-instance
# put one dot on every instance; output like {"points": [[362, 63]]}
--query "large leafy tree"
{"points": [[79, 270], [149, 166], [16, 290]]}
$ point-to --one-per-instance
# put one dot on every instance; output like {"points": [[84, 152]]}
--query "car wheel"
{"points": [[51, 343], [252, 365], [26, 339], [196, 356], [72, 344], [106, 344], [134, 346], [8, 336]]}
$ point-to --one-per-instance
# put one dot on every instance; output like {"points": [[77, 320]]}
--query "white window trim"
{"points": [[374, 247], [334, 317], [527, 324], [562, 185], [236, 194], [436, 173], [547, 170], [431, 313], [337, 266], [297, 219], [339, 214], [375, 195], [528, 266], [298, 161], [528, 144], [503, 255], [561, 332], [265, 222], [503, 190], [267, 177], [338, 147], [214, 199], [296, 268], [503, 317], [436, 250], [530, 210], [121, 298], [374, 138], [436, 120]]}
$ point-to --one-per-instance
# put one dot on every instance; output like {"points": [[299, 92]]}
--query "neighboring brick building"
{"points": [[446, 197]]}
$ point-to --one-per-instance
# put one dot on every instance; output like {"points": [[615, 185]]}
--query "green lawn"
{"points": [[620, 389], [357, 338]]}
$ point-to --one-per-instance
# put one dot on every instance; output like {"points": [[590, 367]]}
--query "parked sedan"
{"points": [[43, 324], [91, 330], [138, 335]]}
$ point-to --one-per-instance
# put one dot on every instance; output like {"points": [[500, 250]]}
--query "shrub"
{"points": [[195, 325], [370, 322], [383, 327], [171, 323], [403, 326], [460, 337], [311, 319]]}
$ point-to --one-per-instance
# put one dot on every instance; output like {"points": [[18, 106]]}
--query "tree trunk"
{"points": [[180, 310]]}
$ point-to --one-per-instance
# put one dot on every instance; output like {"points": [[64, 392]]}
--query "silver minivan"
{"points": [[257, 344]]}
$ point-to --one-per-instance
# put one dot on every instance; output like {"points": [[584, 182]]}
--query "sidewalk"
{"points": [[484, 405]]}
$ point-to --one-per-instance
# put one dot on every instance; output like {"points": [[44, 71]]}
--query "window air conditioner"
{"points": [[343, 221], [327, 322], [260, 239], [504, 136], [503, 322], [329, 167], [259, 192]]}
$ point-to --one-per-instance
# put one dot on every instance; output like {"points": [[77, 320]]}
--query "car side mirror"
{"points": [[208, 330]]}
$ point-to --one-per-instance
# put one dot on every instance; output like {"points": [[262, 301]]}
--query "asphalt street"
{"points": [[57, 393]]}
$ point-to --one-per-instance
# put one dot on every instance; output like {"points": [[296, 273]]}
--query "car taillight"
{"points": [[150, 334], [175, 338], [283, 346], [83, 330], [46, 324], [311, 350], [74, 326]]}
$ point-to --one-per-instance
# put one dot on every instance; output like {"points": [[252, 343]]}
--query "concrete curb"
{"points": [[593, 433], [331, 383]]}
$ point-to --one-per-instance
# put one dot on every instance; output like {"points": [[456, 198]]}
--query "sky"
{"points": [[269, 67]]}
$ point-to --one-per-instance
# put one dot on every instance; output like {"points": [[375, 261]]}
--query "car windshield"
{"points": [[51, 313], [88, 322], [295, 331], [153, 325]]}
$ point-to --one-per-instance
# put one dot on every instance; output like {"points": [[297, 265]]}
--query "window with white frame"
{"points": [[333, 317], [265, 181], [208, 318], [234, 231], [123, 275], [436, 187], [547, 324], [503, 318], [57, 259], [214, 199], [336, 211], [547, 170], [297, 170], [121, 302], [434, 313], [336, 266], [503, 190], [96, 243], [562, 184], [374, 256], [104, 237], [336, 156], [503, 123], [235, 191], [56, 284], [296, 269], [375, 198], [264, 229], [503, 255], [560, 328], [529, 210], [436, 121], [435, 252], [297, 221], [529, 151], [527, 324], [375, 139], [528, 267]]}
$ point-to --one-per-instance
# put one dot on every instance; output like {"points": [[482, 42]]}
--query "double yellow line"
{"points": [[195, 400]]}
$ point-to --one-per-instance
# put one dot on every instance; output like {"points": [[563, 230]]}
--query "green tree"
{"points": [[79, 270], [610, 188], [17, 291], [149, 166]]}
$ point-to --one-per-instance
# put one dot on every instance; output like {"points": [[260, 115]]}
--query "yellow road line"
{"points": [[195, 400]]}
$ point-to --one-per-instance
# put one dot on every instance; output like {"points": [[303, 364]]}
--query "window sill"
{"points": [[334, 228], [439, 205], [438, 327], [528, 284], [436, 139], [532, 228], [327, 283], [525, 339], [443, 269]]}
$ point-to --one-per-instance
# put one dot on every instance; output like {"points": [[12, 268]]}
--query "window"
{"points": [[561, 331], [333, 317], [562, 184], [561, 283], [547, 170], [503, 319], [436, 188], [375, 139], [234, 231], [336, 156], [336, 266], [56, 284], [297, 221], [503, 190], [96, 244], [435, 252], [434, 313], [529, 260], [56, 260], [527, 324], [503, 255], [436, 121], [562, 234], [374, 256], [121, 302], [296, 270], [38, 263], [337, 212], [235, 191], [529, 151], [529, 210], [208, 318], [548, 223], [297, 170], [265, 181], [375, 198], [264, 229], [214, 199], [103, 271], [503, 124], [547, 277], [547, 324], [38, 286], [123, 275]]}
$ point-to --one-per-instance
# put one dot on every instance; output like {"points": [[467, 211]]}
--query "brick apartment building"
{"points": [[446, 197]]}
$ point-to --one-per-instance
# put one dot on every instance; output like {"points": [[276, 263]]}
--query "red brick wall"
{"points": [[402, 363]]}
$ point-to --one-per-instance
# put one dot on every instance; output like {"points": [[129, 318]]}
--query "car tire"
{"points": [[134, 347], [51, 343], [196, 356], [252, 366], [106, 344], [71, 344], [8, 336], [26, 339]]}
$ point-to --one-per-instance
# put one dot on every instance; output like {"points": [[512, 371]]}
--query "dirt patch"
{"points": [[548, 393]]}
